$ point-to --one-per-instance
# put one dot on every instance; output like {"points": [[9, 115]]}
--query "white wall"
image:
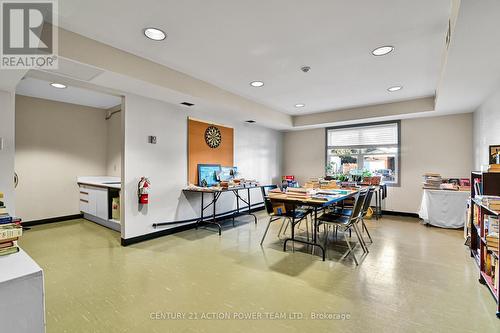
{"points": [[114, 145], [55, 143], [7, 116], [304, 155], [433, 144], [257, 154], [486, 129]]}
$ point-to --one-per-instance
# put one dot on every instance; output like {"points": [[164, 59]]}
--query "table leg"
{"points": [[314, 242], [237, 205], [201, 213], [213, 217], [250, 207]]}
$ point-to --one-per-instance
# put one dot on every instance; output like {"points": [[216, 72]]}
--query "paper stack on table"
{"points": [[432, 181]]}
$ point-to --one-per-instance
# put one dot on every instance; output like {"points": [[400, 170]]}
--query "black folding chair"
{"points": [[347, 222], [288, 216], [364, 212]]}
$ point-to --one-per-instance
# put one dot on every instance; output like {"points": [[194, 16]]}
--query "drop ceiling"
{"points": [[230, 43], [75, 95]]}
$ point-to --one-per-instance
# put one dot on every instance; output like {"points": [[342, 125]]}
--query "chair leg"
{"points": [[265, 232], [360, 238], [286, 226], [366, 229], [307, 228], [326, 236], [350, 248], [282, 225]]}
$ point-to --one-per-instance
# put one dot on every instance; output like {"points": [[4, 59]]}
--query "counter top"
{"points": [[101, 181]]}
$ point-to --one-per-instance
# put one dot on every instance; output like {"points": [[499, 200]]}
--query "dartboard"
{"points": [[213, 137]]}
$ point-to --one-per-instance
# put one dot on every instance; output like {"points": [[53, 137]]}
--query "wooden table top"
{"points": [[334, 198]]}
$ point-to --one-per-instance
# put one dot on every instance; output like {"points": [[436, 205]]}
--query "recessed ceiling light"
{"points": [[395, 88], [300, 105], [58, 85], [155, 34], [256, 83], [383, 50]]}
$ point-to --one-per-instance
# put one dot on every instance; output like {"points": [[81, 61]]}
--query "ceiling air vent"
{"points": [[187, 104], [250, 121]]}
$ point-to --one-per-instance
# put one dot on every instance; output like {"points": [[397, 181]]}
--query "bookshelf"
{"points": [[483, 248]]}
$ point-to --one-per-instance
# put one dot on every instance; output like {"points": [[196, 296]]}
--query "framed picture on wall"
{"points": [[493, 153], [207, 174]]}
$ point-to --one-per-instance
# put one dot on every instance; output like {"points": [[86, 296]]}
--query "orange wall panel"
{"points": [[200, 153]]}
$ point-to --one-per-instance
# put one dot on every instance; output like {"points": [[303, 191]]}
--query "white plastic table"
{"points": [[445, 209], [22, 305]]}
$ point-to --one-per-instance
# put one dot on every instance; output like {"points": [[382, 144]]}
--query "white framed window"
{"points": [[369, 148]]}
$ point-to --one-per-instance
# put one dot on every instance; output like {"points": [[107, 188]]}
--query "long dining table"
{"points": [[333, 197]]}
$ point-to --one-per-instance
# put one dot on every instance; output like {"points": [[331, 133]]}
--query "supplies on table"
{"points": [[464, 184], [275, 193], [10, 230], [328, 184], [312, 183], [449, 187], [374, 180], [432, 181], [298, 192], [289, 181]]}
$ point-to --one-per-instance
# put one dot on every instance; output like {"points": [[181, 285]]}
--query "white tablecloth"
{"points": [[22, 304], [444, 209]]}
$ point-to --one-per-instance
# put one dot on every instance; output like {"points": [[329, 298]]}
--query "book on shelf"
{"points": [[496, 274], [10, 231], [490, 201]]}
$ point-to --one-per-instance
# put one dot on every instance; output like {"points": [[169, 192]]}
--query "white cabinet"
{"points": [[100, 196], [94, 201]]}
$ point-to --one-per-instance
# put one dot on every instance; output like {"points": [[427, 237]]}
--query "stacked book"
{"points": [[10, 230], [298, 192], [432, 181], [494, 168], [492, 202], [275, 193]]}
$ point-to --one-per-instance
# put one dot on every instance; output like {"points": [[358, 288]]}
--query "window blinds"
{"points": [[376, 135]]}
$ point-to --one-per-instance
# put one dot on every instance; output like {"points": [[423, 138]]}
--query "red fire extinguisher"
{"points": [[143, 191]]}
